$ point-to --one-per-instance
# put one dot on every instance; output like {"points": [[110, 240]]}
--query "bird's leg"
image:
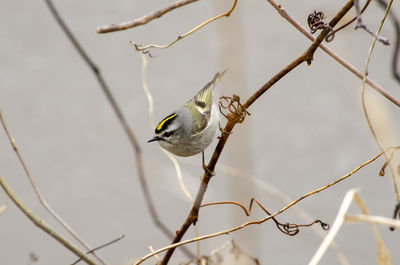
{"points": [[206, 169]]}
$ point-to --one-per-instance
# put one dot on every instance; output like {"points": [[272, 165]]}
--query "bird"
{"points": [[191, 128]]}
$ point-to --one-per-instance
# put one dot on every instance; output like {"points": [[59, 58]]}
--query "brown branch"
{"points": [[145, 48], [42, 225], [330, 35], [360, 24], [290, 229], [121, 118], [336, 57], [100, 247], [41, 199], [306, 57], [260, 221], [143, 20]]}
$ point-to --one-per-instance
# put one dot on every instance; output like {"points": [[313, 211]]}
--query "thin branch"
{"points": [[145, 48], [306, 57], [121, 118], [339, 220], [42, 225], [143, 20], [360, 24], [336, 57], [363, 218], [174, 161], [42, 201], [365, 110], [101, 246], [285, 199], [260, 221], [290, 229], [330, 35]]}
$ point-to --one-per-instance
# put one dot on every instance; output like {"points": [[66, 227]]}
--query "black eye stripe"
{"points": [[167, 134]]}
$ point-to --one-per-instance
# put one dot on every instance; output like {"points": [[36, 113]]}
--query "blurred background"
{"points": [[306, 131]]}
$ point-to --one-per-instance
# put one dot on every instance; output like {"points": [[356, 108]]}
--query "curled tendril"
{"points": [[142, 49], [236, 111], [315, 22], [289, 229]]}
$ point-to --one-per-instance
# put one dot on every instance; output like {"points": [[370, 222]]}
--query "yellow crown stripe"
{"points": [[160, 125]]}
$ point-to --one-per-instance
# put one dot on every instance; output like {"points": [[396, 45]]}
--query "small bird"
{"points": [[191, 128]]}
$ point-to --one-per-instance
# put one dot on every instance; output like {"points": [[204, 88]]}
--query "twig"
{"points": [[145, 48], [339, 59], [396, 50], [285, 199], [143, 20], [360, 24], [228, 231], [42, 201], [306, 57], [365, 110], [100, 247], [333, 32], [383, 253], [373, 219], [42, 225], [290, 229], [348, 198], [121, 118]]}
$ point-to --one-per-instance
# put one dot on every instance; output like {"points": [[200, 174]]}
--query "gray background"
{"points": [[306, 131]]}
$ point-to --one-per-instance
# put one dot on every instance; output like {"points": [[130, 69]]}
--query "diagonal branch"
{"points": [[143, 20], [306, 57], [41, 199], [121, 118], [340, 60], [260, 221], [145, 48], [42, 225]]}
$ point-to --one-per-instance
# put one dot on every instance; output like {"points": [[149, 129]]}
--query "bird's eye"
{"points": [[167, 134]]}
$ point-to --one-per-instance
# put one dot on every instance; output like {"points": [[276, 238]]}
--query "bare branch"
{"points": [[121, 118], [360, 24], [306, 57], [330, 35], [145, 48], [42, 201], [100, 247], [339, 59], [143, 20], [42, 225], [365, 110], [260, 221]]}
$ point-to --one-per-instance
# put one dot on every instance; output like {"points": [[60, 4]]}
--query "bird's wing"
{"points": [[203, 102]]}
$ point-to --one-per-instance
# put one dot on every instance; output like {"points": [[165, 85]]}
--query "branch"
{"points": [[143, 20], [121, 118], [42, 201], [42, 225], [307, 56], [360, 24], [364, 106], [339, 59], [260, 221], [145, 48]]}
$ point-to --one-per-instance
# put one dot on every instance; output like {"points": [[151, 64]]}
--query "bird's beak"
{"points": [[155, 138]]}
